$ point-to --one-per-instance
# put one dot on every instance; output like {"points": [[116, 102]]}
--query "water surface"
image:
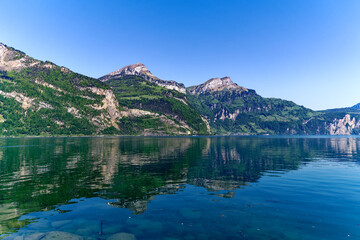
{"points": [[180, 188]]}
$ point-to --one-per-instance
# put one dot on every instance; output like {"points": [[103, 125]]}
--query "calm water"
{"points": [[180, 188]]}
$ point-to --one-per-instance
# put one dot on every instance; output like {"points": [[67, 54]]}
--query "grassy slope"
{"points": [[266, 115], [135, 92], [35, 121]]}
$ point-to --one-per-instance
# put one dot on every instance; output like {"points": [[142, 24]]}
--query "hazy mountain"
{"points": [[356, 107]]}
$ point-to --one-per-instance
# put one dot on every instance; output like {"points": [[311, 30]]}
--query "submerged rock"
{"points": [[112, 229], [60, 223], [39, 226], [122, 236], [48, 235], [61, 235], [86, 231]]}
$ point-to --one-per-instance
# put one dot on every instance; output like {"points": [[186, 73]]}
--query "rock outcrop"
{"points": [[109, 104], [343, 126], [25, 101], [10, 59], [56, 100], [137, 69], [233, 109], [15, 60], [216, 84], [140, 69]]}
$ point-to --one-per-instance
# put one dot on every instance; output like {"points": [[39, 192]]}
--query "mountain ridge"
{"points": [[216, 84], [41, 98], [141, 70], [48, 99]]}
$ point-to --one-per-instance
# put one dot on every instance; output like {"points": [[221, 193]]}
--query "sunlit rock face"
{"points": [[137, 69], [140, 69], [216, 84], [343, 126], [11, 59]]}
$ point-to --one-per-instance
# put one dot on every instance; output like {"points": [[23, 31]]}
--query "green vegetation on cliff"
{"points": [[135, 92], [36, 101], [241, 111], [40, 99]]}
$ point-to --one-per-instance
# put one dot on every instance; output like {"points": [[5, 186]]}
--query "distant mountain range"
{"points": [[351, 110], [41, 98]]}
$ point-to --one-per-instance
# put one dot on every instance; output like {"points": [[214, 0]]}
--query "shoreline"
{"points": [[184, 136]]}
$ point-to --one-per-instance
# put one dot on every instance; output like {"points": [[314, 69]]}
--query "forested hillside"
{"points": [[41, 98], [232, 109]]}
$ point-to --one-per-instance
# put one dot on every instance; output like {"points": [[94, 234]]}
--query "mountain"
{"points": [[232, 109], [218, 84], [350, 110], [356, 107], [354, 110], [41, 98], [154, 102], [140, 69]]}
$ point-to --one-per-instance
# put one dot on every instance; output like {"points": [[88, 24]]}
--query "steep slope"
{"points": [[231, 109], [140, 69], [39, 97], [148, 106], [216, 85]]}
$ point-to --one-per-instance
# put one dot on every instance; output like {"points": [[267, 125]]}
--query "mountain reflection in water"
{"points": [[38, 174]]}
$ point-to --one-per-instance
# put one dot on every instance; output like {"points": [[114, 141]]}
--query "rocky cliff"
{"points": [[216, 84], [140, 69], [38, 97], [168, 108], [41, 98], [15, 60], [344, 126], [232, 109]]}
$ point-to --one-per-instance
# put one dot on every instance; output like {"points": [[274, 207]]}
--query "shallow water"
{"points": [[180, 188]]}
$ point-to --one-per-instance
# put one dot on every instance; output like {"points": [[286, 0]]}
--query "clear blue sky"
{"points": [[307, 51]]}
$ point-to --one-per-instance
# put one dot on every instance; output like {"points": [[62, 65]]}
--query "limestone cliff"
{"points": [[15, 60], [344, 126], [140, 69], [233, 109], [216, 84], [38, 97]]}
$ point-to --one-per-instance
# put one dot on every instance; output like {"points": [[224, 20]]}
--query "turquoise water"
{"points": [[180, 188]]}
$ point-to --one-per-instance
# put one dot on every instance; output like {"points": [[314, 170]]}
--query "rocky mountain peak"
{"points": [[137, 69], [12, 59], [217, 84], [2, 48], [141, 70]]}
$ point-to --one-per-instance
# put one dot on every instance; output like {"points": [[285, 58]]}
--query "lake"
{"points": [[180, 188]]}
